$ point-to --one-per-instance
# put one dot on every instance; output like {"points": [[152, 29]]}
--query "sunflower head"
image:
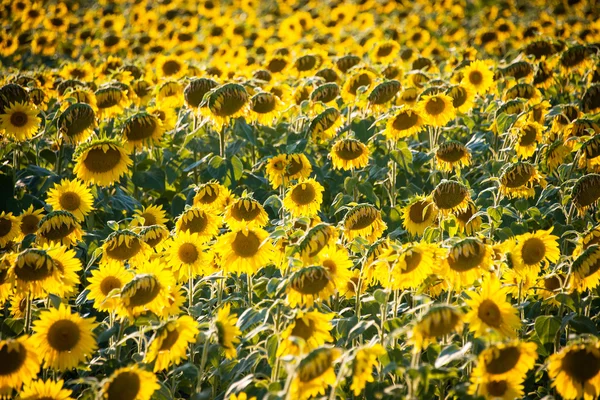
{"points": [[230, 100], [77, 122], [59, 227], [404, 123], [586, 192], [196, 89], [363, 220], [450, 196], [349, 154], [324, 125], [20, 120], [141, 130], [452, 154], [418, 215], [309, 284], [439, 321], [227, 331]]}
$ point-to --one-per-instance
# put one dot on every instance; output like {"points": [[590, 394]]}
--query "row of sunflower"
{"points": [[299, 199]]}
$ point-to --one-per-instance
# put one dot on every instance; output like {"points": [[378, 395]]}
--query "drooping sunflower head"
{"points": [[363, 220], [212, 195], [246, 211], [439, 321], [468, 220], [468, 260], [170, 343], [523, 91], [410, 266], [142, 129], [77, 123], [20, 121], [315, 373], [297, 167], [230, 100], [326, 93], [150, 215], [404, 123], [315, 240], [590, 154], [452, 154], [345, 63], [10, 94], [418, 215], [124, 246], [312, 328], [59, 227], [360, 78], [585, 269], [590, 101], [102, 161], [586, 192], [146, 291], [35, 271], [382, 94], [110, 101], [199, 220], [155, 236], [349, 154], [450, 196], [462, 97], [308, 285], [265, 107], [519, 178], [324, 126]]}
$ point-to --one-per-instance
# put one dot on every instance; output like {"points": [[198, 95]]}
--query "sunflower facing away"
{"points": [[246, 212], [59, 227], [364, 221], [312, 328], [315, 373], [308, 285], [65, 339], [439, 321]]}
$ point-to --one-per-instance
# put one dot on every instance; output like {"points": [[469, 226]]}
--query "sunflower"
{"points": [[519, 180], [35, 272], [140, 130], [110, 101], [226, 102], [76, 124], [462, 98], [324, 126], [308, 285], [227, 331], [124, 246], [437, 110], [468, 220], [450, 196], [203, 222], [169, 67], [363, 220], [148, 216], [64, 339], [362, 366], [528, 135], [314, 373], [555, 155], [20, 362], [265, 108], [244, 250], [148, 290], [575, 370], [349, 154], [452, 154], [155, 236], [130, 382], [186, 255], [171, 342], [439, 321], [502, 389], [359, 78], [169, 94], [297, 167], [586, 192], [212, 195], [101, 161], [165, 114], [6, 282], [468, 260], [585, 269], [382, 95], [489, 310], [20, 121], [46, 390], [105, 285], [313, 328], [590, 155], [68, 266], [410, 266], [246, 212], [71, 196], [304, 198], [10, 228], [315, 240], [478, 76], [404, 123], [337, 262], [324, 94], [535, 249], [509, 361]]}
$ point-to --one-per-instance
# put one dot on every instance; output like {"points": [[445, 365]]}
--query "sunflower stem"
{"points": [[190, 291], [203, 362], [28, 307], [59, 157], [222, 143], [250, 289]]}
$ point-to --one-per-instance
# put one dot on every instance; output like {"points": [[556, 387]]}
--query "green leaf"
{"points": [[380, 296], [546, 327], [582, 324], [452, 353], [238, 168], [153, 179]]}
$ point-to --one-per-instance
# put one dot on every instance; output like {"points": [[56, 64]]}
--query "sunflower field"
{"points": [[299, 199]]}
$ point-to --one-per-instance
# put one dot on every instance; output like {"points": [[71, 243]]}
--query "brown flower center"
{"points": [[12, 360], [195, 223], [435, 106], [303, 194], [188, 253], [420, 211], [63, 335], [109, 283], [581, 365], [169, 340], [123, 251], [70, 201], [489, 313], [505, 360], [405, 120], [533, 251], [124, 386], [246, 245], [475, 77], [18, 119], [99, 161], [496, 388], [5, 226]]}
